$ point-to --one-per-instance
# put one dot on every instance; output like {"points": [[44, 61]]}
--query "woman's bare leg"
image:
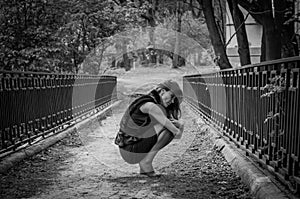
{"points": [[163, 139]]}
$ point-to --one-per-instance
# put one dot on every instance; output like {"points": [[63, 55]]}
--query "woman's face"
{"points": [[167, 97]]}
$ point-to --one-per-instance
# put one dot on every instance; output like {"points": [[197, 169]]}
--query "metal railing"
{"points": [[36, 105], [233, 101]]}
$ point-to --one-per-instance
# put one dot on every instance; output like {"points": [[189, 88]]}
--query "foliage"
{"points": [[26, 32], [276, 86], [57, 35]]}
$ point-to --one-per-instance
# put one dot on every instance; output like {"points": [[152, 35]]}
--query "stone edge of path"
{"points": [[8, 162], [261, 185]]}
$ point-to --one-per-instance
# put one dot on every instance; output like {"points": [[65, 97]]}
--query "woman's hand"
{"points": [[179, 124]]}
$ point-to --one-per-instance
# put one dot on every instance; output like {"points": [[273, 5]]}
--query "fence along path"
{"points": [[37, 105], [267, 128]]}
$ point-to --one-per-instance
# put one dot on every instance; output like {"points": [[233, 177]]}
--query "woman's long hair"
{"points": [[173, 110]]}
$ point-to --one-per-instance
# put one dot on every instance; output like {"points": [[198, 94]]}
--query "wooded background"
{"points": [[58, 35]]}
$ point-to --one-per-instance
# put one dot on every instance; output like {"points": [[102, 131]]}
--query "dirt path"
{"points": [[87, 165]]}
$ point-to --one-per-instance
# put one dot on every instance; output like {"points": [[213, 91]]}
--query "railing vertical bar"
{"points": [[235, 105], [287, 127], [35, 104], [293, 116], [243, 107], [297, 127], [226, 121], [256, 112], [259, 113], [248, 108], [229, 102]]}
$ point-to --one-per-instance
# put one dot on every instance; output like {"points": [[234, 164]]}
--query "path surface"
{"points": [[87, 164]]}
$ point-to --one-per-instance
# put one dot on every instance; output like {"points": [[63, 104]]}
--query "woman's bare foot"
{"points": [[151, 174], [146, 167]]}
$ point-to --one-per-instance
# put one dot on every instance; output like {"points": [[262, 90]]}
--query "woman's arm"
{"points": [[178, 123], [153, 110]]}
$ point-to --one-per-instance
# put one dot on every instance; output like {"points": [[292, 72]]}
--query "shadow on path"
{"points": [[86, 164]]}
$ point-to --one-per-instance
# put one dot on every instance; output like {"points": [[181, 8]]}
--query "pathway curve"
{"points": [[87, 164]]}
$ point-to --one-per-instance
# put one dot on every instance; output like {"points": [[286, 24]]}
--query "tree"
{"points": [[57, 35], [88, 22], [273, 17], [178, 14], [242, 39], [157, 12], [27, 31], [277, 26], [216, 40]]}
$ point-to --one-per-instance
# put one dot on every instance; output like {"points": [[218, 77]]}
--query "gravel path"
{"points": [[87, 164]]}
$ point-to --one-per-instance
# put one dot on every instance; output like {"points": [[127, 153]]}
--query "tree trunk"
{"points": [[75, 69], [271, 33], [276, 41], [272, 41], [100, 60], [263, 47], [175, 61], [126, 61], [287, 30], [242, 39], [152, 23], [218, 45], [160, 57], [152, 50]]}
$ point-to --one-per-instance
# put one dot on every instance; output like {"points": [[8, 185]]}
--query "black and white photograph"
{"points": [[149, 99]]}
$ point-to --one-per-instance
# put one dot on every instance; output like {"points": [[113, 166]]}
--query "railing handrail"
{"points": [[261, 64], [56, 74]]}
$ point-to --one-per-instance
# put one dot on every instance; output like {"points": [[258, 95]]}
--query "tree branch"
{"points": [[252, 7]]}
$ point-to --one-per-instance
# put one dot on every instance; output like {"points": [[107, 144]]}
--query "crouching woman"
{"points": [[149, 124]]}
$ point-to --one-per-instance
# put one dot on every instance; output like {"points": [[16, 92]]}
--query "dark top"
{"points": [[135, 124]]}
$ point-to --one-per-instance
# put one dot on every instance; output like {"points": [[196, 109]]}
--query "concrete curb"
{"points": [[261, 186], [11, 160]]}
